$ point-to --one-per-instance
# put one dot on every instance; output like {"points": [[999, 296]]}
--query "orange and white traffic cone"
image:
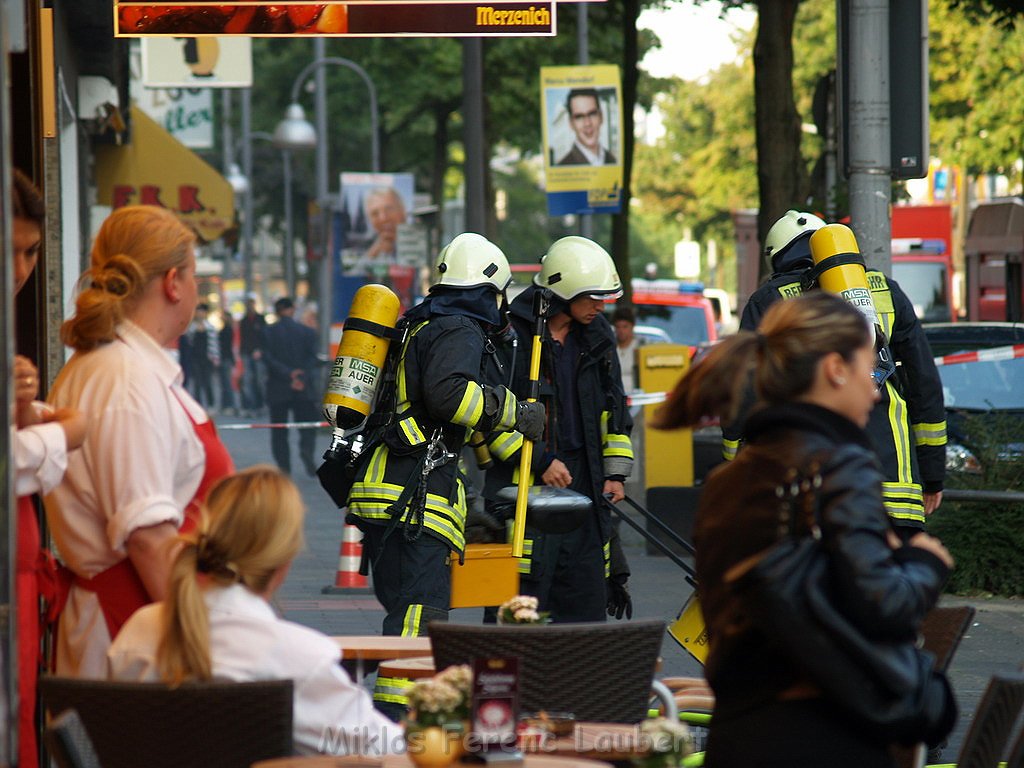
{"points": [[348, 580]]}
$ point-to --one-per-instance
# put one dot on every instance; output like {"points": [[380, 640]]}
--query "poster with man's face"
{"points": [[373, 207], [582, 125]]}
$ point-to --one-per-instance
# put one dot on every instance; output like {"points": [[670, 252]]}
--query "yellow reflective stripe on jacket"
{"points": [[378, 464], [403, 391], [373, 500], [730, 448], [505, 445], [927, 433], [515, 476], [471, 408], [618, 445], [527, 558], [607, 551], [881, 297], [392, 690], [900, 434], [903, 501], [411, 623], [509, 411], [411, 431]]}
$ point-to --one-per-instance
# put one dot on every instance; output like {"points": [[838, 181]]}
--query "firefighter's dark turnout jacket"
{"points": [[908, 425], [605, 419], [439, 387]]}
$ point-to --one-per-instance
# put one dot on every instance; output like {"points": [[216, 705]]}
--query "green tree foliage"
{"points": [[986, 538], [976, 89]]}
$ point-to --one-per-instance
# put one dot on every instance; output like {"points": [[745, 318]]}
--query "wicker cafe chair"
{"points": [[193, 725], [993, 722], [599, 672], [68, 742]]}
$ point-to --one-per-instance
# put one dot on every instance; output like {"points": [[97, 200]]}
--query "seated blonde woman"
{"points": [[217, 621]]}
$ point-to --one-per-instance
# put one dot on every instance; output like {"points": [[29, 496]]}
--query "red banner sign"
{"points": [[382, 19]]}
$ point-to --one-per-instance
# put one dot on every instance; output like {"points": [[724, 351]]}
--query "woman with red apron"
{"points": [[39, 450], [151, 450]]}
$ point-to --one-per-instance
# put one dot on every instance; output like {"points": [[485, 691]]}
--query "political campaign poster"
{"points": [[581, 115], [377, 225]]}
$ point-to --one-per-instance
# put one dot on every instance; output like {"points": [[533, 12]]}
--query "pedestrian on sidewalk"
{"points": [[205, 355], [226, 367], [250, 347], [290, 357]]}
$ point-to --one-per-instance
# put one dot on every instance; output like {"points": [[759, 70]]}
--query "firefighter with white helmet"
{"points": [[908, 425], [408, 498], [586, 445]]}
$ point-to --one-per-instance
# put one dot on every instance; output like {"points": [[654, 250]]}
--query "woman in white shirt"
{"points": [[150, 452], [217, 621]]}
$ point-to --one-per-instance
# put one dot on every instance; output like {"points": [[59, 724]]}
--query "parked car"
{"points": [[982, 373]]}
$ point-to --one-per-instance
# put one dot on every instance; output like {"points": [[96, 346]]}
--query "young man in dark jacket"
{"points": [[586, 446]]}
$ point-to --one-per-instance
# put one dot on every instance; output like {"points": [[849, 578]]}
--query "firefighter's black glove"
{"points": [[530, 420], [619, 601], [483, 528]]}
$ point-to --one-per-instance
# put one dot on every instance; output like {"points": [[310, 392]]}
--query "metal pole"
{"points": [[326, 260], [583, 58], [473, 133], [289, 239], [247, 220], [228, 157], [831, 149], [870, 174]]}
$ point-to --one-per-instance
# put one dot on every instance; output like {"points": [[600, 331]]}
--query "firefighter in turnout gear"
{"points": [[586, 446], [408, 498], [908, 425]]}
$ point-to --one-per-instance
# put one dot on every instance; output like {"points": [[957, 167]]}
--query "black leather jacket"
{"points": [[885, 592]]}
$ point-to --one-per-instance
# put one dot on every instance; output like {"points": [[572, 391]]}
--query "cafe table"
{"points": [[402, 761], [610, 742], [362, 648]]}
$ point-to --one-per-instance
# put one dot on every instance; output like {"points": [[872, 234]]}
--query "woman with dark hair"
{"points": [[151, 452], [40, 449], [812, 362]]}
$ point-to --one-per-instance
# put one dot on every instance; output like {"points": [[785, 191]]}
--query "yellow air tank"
{"points": [[847, 277], [359, 364]]}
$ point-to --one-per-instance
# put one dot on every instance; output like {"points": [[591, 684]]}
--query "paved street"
{"points": [[995, 644]]}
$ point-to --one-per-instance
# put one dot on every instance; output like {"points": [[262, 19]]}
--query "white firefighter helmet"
{"points": [[470, 261], [787, 230], [575, 266]]}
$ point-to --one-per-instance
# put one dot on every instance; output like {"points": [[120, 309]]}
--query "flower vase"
{"points": [[435, 746]]}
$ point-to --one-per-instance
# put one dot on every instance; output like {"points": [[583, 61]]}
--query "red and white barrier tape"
{"points": [[297, 425], [982, 355]]}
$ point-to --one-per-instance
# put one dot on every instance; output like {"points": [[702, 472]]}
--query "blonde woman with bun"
{"points": [[150, 452], [217, 621]]}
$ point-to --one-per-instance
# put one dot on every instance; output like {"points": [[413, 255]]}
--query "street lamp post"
{"points": [[242, 185], [294, 132]]}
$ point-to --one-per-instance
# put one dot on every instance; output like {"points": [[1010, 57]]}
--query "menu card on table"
{"points": [[495, 707]]}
